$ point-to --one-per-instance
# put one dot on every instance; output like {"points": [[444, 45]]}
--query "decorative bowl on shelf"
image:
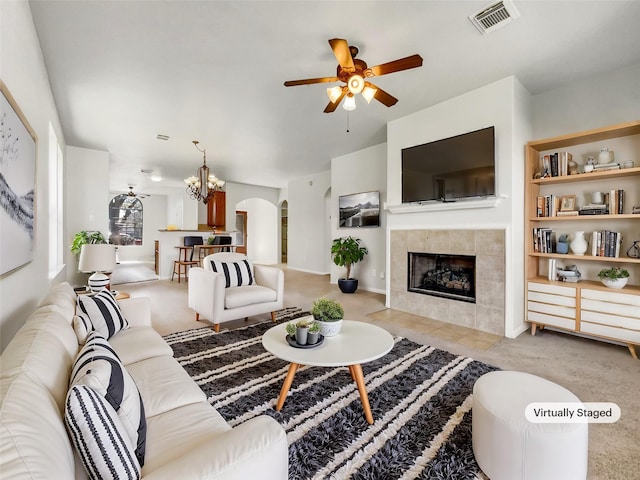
{"points": [[615, 282]]}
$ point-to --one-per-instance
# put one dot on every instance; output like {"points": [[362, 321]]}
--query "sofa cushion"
{"points": [[82, 327], [236, 274], [242, 296], [139, 343], [174, 433], [164, 385], [44, 349], [104, 312], [33, 440], [62, 297], [99, 437], [98, 367]]}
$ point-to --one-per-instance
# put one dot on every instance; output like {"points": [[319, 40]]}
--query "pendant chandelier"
{"points": [[204, 184]]}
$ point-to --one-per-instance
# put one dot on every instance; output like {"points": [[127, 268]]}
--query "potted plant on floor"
{"points": [[614, 277], [345, 251], [328, 314]]}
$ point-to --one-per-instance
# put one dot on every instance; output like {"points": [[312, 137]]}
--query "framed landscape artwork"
{"points": [[17, 179], [359, 210]]}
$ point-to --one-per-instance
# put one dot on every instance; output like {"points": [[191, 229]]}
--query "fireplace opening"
{"points": [[441, 275]]}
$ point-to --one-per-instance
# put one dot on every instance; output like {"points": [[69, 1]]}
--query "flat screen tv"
{"points": [[450, 169], [359, 210]]}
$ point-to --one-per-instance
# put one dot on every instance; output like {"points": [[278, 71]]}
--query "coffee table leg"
{"points": [[293, 367], [356, 372]]}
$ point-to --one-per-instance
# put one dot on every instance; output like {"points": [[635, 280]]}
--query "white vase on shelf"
{"points": [[605, 156], [578, 245]]}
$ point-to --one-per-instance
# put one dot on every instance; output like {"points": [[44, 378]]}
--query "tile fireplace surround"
{"points": [[488, 313]]}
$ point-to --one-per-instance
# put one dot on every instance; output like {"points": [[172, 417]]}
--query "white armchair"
{"points": [[216, 302]]}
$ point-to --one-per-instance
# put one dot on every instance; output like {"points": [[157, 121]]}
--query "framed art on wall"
{"points": [[359, 210], [17, 184]]}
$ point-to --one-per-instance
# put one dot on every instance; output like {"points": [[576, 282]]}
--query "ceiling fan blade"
{"points": [[406, 63], [308, 81], [383, 97], [343, 54], [333, 105]]}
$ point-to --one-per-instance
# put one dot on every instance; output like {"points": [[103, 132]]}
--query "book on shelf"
{"points": [[606, 166], [557, 164], [547, 205], [594, 209], [544, 240], [616, 202], [606, 243], [568, 213]]}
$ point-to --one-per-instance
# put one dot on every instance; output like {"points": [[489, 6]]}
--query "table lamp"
{"points": [[97, 258]]}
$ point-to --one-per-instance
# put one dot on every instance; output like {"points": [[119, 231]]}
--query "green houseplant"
{"points": [[83, 237], [614, 277], [328, 314], [346, 251]]}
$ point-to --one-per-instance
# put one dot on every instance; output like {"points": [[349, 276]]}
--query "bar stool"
{"points": [[185, 257]]}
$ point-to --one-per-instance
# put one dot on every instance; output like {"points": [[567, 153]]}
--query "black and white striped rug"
{"points": [[420, 396]]}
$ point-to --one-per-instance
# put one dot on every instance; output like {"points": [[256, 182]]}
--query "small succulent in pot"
{"points": [[314, 333], [291, 329], [302, 331]]}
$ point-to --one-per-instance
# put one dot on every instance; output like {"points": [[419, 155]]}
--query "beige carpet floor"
{"points": [[593, 370]]}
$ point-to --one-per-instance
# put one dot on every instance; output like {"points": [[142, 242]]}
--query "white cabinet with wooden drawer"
{"points": [[611, 314], [549, 304], [588, 308]]}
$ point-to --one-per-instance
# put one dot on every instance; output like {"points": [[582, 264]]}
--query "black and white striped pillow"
{"points": [[236, 274], [104, 313], [98, 367], [99, 437], [82, 326]]}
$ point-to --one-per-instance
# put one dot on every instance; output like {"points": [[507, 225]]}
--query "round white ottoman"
{"points": [[509, 447]]}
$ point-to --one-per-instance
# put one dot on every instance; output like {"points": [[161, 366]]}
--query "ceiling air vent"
{"points": [[494, 16]]}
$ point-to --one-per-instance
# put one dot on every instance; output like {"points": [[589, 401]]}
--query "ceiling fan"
{"points": [[131, 193], [354, 72]]}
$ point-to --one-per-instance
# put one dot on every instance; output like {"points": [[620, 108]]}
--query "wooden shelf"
{"points": [[587, 258], [619, 216], [585, 177]]}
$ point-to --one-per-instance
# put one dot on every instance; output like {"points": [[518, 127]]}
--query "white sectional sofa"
{"points": [[186, 438]]}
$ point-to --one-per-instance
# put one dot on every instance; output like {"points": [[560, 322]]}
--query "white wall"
{"points": [[361, 171], [25, 76], [86, 200], [262, 230], [503, 104], [308, 233], [594, 102]]}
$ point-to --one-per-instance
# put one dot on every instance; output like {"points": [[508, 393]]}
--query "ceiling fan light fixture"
{"points": [[368, 93], [349, 102], [355, 84], [334, 93]]}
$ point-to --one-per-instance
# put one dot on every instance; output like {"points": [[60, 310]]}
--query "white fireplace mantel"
{"points": [[433, 206]]}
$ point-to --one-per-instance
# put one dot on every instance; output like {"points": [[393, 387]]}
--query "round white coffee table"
{"points": [[357, 343]]}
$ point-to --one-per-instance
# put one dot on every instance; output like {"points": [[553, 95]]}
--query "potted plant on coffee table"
{"points": [[345, 251], [328, 314], [614, 277]]}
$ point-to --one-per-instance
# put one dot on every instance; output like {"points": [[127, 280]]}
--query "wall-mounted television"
{"points": [[450, 169], [359, 210]]}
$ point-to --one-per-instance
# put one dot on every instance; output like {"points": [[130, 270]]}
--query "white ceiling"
{"points": [[124, 71]]}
